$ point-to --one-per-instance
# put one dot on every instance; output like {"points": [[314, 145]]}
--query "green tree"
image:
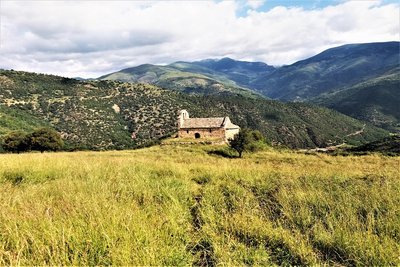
{"points": [[45, 139], [15, 142], [247, 141]]}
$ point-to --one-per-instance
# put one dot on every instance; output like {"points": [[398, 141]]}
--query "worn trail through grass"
{"points": [[183, 205]]}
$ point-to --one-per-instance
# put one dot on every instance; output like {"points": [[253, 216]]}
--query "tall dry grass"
{"points": [[182, 205]]}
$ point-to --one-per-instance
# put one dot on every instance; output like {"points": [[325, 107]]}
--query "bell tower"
{"points": [[182, 115]]}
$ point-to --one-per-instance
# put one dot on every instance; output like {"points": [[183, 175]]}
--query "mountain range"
{"points": [[182, 76], [206, 77], [100, 115], [334, 69], [360, 80], [299, 106]]}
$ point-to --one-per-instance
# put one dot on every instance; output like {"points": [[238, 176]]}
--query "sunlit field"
{"points": [[183, 205]]}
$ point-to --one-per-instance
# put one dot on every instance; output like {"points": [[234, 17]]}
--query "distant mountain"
{"points": [[242, 72], [334, 69], [182, 76], [116, 115], [376, 100], [352, 79]]}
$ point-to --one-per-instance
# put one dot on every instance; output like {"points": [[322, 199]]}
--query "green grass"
{"points": [[182, 205]]}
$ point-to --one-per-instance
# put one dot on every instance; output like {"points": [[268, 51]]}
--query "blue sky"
{"points": [[305, 4], [92, 38]]}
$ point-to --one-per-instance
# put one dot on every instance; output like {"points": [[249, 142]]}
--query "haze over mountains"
{"points": [[360, 80]]}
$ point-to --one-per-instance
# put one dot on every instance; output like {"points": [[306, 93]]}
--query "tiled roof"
{"points": [[208, 123], [203, 123]]}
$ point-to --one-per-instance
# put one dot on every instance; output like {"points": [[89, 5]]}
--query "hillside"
{"points": [[334, 69], [358, 80], [12, 119], [183, 77], [241, 72], [205, 77], [184, 206], [375, 100], [116, 115], [389, 145]]}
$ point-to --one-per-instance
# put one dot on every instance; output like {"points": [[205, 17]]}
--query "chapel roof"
{"points": [[208, 123], [203, 123]]}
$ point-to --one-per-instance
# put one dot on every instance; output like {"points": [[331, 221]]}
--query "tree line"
{"points": [[46, 139], [42, 139]]}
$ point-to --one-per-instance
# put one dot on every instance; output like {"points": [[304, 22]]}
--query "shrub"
{"points": [[45, 139], [15, 142], [247, 141]]}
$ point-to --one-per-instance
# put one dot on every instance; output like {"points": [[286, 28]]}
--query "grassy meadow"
{"points": [[186, 205]]}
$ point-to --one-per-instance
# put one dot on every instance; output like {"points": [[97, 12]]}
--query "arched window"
{"points": [[196, 135]]}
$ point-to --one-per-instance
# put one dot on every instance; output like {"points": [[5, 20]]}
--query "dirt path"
{"points": [[357, 132]]}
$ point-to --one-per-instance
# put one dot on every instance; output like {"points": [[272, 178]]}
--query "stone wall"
{"points": [[230, 133], [204, 133]]}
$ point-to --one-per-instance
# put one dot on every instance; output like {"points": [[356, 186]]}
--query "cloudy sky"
{"points": [[90, 38]]}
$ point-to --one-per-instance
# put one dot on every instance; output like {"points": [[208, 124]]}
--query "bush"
{"points": [[45, 139], [15, 142], [247, 141]]}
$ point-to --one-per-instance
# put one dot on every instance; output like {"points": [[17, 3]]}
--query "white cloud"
{"points": [[88, 38], [254, 4]]}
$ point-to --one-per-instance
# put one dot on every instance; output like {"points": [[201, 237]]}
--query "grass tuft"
{"points": [[181, 205]]}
